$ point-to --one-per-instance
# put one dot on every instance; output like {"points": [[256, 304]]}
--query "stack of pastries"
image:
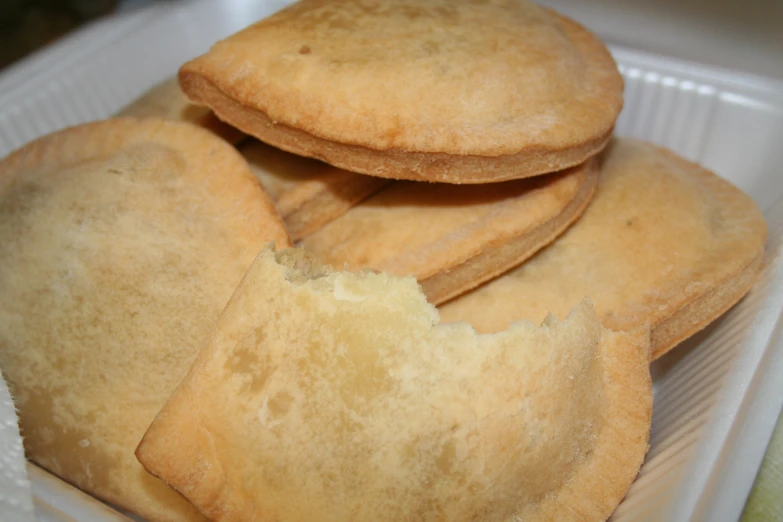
{"points": [[220, 304]]}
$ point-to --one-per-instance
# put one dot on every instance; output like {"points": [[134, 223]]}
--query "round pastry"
{"points": [[337, 397], [450, 237], [436, 90], [665, 243], [120, 243]]}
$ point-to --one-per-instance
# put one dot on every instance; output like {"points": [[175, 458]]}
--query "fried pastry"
{"points": [[332, 396], [120, 243], [452, 238], [454, 91], [664, 243]]}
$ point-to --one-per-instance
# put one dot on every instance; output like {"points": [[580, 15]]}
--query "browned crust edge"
{"points": [[601, 77], [497, 259], [700, 312], [597, 487], [201, 483], [697, 311], [329, 204], [394, 164]]}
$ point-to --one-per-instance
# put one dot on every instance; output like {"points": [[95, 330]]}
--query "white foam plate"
{"points": [[717, 397]]}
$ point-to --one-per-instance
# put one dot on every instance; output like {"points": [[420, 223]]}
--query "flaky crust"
{"points": [[120, 242], [665, 243], [167, 101], [328, 396], [308, 193], [453, 238], [417, 90]]}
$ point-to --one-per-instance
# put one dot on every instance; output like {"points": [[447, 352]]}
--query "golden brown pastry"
{"points": [[120, 243], [329, 396], [166, 100], [308, 193], [453, 238], [664, 243], [454, 91]]}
